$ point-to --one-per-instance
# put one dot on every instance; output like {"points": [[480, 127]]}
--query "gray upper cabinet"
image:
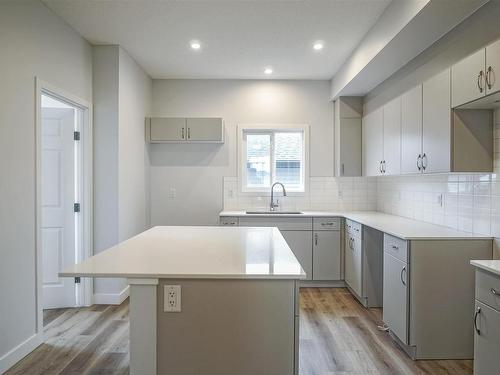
{"points": [[468, 78], [411, 131], [391, 162], [348, 112], [492, 75], [373, 142], [184, 130]]}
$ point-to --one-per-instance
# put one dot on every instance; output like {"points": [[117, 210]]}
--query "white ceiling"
{"points": [[238, 37]]}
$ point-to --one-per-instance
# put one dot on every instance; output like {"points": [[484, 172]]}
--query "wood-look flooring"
{"points": [[337, 336]]}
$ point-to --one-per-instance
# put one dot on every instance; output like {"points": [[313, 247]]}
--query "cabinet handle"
{"points": [[182, 133], [424, 158], [480, 81], [419, 159], [189, 133], [478, 311], [316, 239], [489, 72], [342, 170], [352, 244], [380, 166], [395, 247], [232, 223], [327, 223], [494, 292], [383, 165], [403, 271]]}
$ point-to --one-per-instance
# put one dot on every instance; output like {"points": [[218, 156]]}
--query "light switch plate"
{"points": [[172, 298]]}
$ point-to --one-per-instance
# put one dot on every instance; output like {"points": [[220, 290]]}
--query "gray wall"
{"points": [[122, 99], [196, 171], [34, 42]]}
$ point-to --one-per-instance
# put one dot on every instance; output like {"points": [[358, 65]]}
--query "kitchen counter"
{"points": [[195, 252], [492, 266], [397, 226]]}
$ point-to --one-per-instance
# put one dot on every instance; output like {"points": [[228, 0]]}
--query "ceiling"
{"points": [[239, 38]]}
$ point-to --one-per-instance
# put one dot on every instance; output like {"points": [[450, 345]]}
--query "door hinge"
{"points": [[76, 136], [77, 280], [76, 207]]}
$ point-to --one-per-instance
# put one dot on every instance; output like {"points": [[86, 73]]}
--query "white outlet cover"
{"points": [[172, 298]]}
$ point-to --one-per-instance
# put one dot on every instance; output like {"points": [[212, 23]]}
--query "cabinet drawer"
{"points": [[397, 247], [488, 288], [283, 223], [228, 221], [353, 228], [326, 223]]}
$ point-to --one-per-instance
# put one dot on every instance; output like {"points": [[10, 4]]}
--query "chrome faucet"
{"points": [[273, 206]]}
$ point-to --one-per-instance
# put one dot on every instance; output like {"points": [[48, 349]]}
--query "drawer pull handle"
{"points": [[403, 271], [478, 311], [395, 247], [326, 223], [494, 292]]}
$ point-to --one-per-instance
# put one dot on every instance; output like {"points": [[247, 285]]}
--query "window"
{"points": [[271, 155]]}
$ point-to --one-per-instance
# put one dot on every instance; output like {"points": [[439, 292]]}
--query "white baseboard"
{"points": [[111, 298], [14, 355]]}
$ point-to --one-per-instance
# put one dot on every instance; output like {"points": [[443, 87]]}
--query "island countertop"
{"points": [[195, 252]]}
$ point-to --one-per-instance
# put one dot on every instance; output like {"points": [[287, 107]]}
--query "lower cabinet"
{"points": [[486, 339], [300, 244], [353, 264], [326, 255], [395, 313]]}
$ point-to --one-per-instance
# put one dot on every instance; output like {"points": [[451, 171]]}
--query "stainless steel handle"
{"points": [[232, 223], [189, 133], [419, 160], [424, 158], [383, 166], [395, 247], [480, 81], [316, 239], [403, 271], [182, 133], [478, 311], [494, 292], [380, 166], [489, 73], [329, 223], [352, 244], [342, 169]]}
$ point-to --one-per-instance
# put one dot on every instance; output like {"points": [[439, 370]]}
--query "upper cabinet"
{"points": [[184, 130], [391, 162], [411, 130], [476, 76], [348, 111], [373, 143]]}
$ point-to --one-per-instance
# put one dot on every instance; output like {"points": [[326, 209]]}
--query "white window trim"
{"points": [[265, 192]]}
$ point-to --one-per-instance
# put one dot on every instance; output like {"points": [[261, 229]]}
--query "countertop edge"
{"points": [[481, 265], [180, 276]]}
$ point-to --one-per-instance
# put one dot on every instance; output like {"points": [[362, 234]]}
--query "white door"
{"points": [[411, 130], [493, 67], [58, 197], [392, 137], [436, 145], [468, 78], [373, 142]]}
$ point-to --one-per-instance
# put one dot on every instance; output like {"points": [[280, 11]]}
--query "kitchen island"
{"points": [[207, 300]]}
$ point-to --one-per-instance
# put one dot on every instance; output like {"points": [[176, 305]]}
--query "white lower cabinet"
{"points": [[326, 255], [395, 313], [486, 339], [300, 244], [353, 257]]}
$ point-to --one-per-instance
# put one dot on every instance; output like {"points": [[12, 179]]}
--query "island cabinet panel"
{"points": [[300, 244], [228, 327]]}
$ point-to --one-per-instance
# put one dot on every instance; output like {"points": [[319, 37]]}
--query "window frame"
{"points": [[271, 129]]}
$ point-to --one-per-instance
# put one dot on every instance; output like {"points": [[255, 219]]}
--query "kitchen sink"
{"points": [[273, 212]]}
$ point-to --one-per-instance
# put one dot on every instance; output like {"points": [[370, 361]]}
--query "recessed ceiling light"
{"points": [[318, 46], [268, 70], [195, 44]]}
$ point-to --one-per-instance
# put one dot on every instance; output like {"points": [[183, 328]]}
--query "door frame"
{"points": [[84, 290]]}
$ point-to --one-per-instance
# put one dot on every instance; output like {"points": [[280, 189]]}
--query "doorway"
{"points": [[63, 198]]}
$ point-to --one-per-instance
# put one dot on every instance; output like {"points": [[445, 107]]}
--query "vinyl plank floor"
{"points": [[338, 336]]}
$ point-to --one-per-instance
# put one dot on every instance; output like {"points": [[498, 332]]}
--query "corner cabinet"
{"points": [[184, 130]]}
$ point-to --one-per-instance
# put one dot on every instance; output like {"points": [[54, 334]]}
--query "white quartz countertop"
{"points": [[398, 226], [488, 265], [196, 252]]}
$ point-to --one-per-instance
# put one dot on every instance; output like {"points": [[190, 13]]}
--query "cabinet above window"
{"points": [[184, 130]]}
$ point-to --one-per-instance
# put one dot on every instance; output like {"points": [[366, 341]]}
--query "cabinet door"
{"points": [[165, 129], [468, 79], [204, 129], [436, 145], [487, 341], [373, 142], [300, 243], [395, 312], [411, 130], [493, 67], [392, 137], [353, 264], [326, 255], [349, 144]]}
